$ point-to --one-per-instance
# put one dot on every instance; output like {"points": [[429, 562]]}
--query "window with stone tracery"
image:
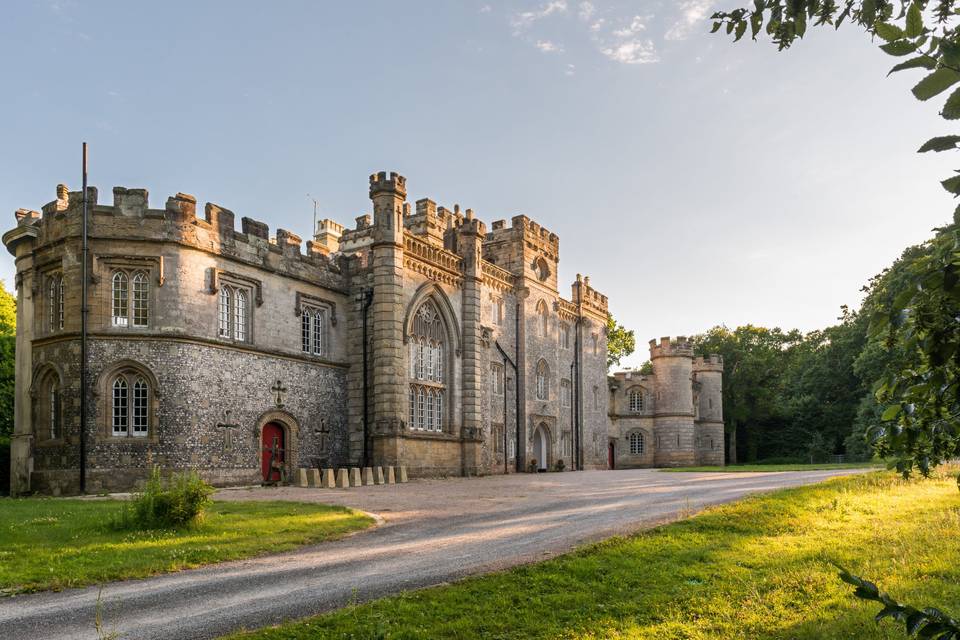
{"points": [[313, 331], [55, 300], [636, 400], [543, 384], [427, 370]]}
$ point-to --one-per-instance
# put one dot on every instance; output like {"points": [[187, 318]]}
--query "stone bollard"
{"points": [[301, 477], [367, 476], [343, 481], [355, 477], [403, 475], [327, 479], [379, 475], [314, 477], [391, 478]]}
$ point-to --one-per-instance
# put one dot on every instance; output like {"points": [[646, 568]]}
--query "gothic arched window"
{"points": [[542, 319], [427, 369], [314, 330], [233, 313], [48, 404], [119, 299], [636, 400], [56, 303], [543, 385], [130, 408], [141, 305], [636, 443]]}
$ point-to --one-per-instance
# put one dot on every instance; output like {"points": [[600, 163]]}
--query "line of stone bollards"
{"points": [[353, 477]]}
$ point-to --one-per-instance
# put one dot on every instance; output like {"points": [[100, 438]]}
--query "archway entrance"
{"points": [[541, 441], [611, 456], [273, 454]]}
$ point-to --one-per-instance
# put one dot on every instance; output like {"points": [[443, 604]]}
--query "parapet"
{"points": [[679, 347], [380, 183], [712, 362], [529, 230], [587, 296]]}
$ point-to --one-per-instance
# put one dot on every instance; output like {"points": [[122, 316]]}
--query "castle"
{"points": [[417, 338]]}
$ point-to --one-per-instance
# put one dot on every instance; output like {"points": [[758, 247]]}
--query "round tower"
{"points": [[673, 426], [708, 372]]}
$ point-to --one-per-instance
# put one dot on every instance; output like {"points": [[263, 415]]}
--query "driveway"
{"points": [[433, 531]]}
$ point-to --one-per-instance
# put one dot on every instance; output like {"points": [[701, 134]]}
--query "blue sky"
{"points": [[696, 181]]}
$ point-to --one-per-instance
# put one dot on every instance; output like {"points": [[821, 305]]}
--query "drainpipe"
{"points": [[516, 383], [367, 301], [578, 444], [573, 465], [83, 333]]}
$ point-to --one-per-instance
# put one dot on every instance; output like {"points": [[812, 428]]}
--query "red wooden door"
{"points": [[611, 456], [272, 457]]}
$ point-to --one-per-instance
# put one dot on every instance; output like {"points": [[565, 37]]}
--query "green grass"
{"points": [[754, 569], [54, 544], [734, 468]]}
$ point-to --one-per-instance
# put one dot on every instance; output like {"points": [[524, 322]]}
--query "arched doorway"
{"points": [[274, 451], [541, 447]]}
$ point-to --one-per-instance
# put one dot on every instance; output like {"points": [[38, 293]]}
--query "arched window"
{"points": [[596, 345], [543, 386], [313, 330], [119, 309], [130, 403], [319, 331], [240, 315], [224, 312], [565, 335], [120, 406], [635, 398], [542, 319], [141, 304], [55, 307], [427, 369], [636, 443], [56, 420]]}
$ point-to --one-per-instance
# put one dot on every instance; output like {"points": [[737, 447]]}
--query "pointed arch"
{"points": [[431, 291]]}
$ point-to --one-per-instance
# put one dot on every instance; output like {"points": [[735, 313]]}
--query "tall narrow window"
{"points": [[55, 307], [542, 385], [119, 299], [596, 345], [542, 319], [319, 329], [636, 443], [596, 398], [497, 375], [56, 425], [140, 407], [565, 393], [427, 369], [635, 399], [240, 315], [120, 406], [224, 312], [565, 335], [141, 304], [305, 331]]}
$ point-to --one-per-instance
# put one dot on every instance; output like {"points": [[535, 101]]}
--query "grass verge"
{"points": [[734, 468], [54, 544], [753, 569]]}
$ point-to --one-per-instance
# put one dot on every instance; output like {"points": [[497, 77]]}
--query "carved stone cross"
{"points": [[279, 390]]}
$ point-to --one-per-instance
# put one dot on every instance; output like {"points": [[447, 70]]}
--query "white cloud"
{"points": [[549, 47], [486, 9], [692, 13], [571, 69], [586, 11], [596, 26], [521, 21], [633, 51], [638, 24]]}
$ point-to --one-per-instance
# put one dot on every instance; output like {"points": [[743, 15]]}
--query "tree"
{"points": [[921, 391], [620, 342], [8, 329], [8, 312]]}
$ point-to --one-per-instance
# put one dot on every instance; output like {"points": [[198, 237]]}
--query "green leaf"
{"points": [[899, 48], [741, 29], [716, 27], [936, 83], [888, 32], [914, 20], [951, 110], [868, 12], [920, 62], [890, 412], [800, 22], [952, 185], [942, 143], [756, 23]]}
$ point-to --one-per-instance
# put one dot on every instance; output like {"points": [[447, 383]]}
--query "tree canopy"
{"points": [[620, 342]]}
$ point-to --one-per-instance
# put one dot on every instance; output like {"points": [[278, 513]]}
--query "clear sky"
{"points": [[697, 182]]}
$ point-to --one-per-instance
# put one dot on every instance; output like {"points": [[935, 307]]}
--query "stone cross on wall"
{"points": [[229, 431], [278, 390], [323, 432]]}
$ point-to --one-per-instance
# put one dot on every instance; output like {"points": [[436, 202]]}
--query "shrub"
{"points": [[4, 466], [532, 465], [560, 465], [170, 504]]}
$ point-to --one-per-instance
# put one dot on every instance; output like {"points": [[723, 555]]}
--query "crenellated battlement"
{"points": [[381, 183], [131, 218], [712, 362], [531, 231], [667, 347], [587, 296]]}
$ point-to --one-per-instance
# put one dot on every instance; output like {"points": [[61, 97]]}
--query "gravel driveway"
{"points": [[433, 531]]}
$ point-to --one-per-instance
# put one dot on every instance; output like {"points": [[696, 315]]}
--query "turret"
{"points": [[388, 195], [708, 372], [673, 407]]}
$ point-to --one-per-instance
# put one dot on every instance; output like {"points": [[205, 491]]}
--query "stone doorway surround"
{"points": [[291, 439]]}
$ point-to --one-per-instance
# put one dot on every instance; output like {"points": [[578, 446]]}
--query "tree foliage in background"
{"points": [[620, 342], [8, 328], [921, 324]]}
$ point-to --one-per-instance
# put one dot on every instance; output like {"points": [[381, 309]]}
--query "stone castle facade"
{"points": [[417, 338]]}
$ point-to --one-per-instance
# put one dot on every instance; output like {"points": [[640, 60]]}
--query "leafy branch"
{"points": [[920, 623]]}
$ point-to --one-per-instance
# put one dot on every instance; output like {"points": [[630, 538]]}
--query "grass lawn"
{"points": [[754, 569], [55, 543], [782, 467]]}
